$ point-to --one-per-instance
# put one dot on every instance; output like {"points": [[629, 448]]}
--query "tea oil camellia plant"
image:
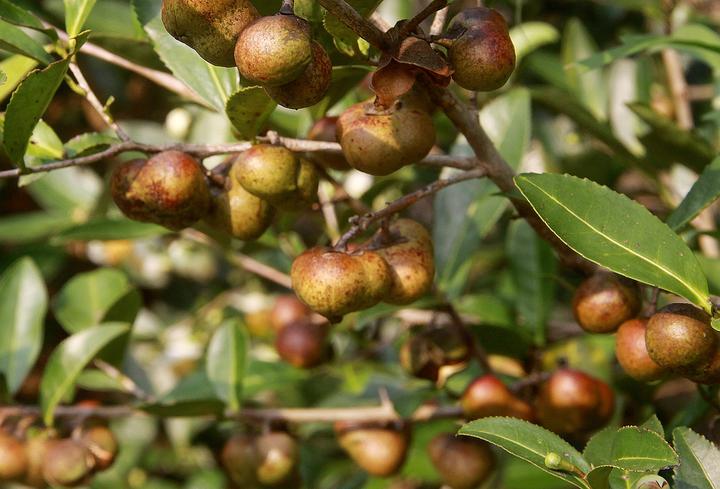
{"points": [[359, 244]]}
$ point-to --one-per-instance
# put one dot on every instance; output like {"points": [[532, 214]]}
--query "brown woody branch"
{"points": [[359, 24], [412, 24]]}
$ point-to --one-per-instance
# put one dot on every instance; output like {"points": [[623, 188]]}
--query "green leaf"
{"points": [[227, 361], [615, 232], [346, 41], [87, 143], [529, 36], [69, 359], [85, 300], [27, 105], [599, 446], [653, 424], [533, 265], [194, 395], [703, 193], [248, 109], [23, 302], [20, 16], [589, 87], [106, 229], [15, 40], [76, 13], [630, 448], [32, 226], [530, 443], [699, 461], [16, 68], [599, 477]]}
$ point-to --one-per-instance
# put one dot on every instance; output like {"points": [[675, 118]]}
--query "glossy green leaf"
{"points": [[248, 109], [23, 302], [653, 424], [529, 36], [27, 106], [106, 229], [599, 477], [76, 13], [194, 395], [589, 87], [598, 448], [346, 41], [529, 442], [533, 265], [699, 461], [87, 143], [703, 193], [32, 226], [85, 300], [615, 232], [69, 359], [15, 40], [227, 361], [15, 68], [630, 448], [17, 15]]}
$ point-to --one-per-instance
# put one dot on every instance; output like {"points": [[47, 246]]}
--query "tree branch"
{"points": [[359, 24], [412, 24]]}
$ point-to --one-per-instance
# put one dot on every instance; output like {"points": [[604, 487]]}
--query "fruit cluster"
{"points": [[43, 459]]}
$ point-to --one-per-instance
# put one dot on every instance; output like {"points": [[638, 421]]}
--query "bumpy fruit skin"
{"points": [[274, 50], [102, 444], [210, 27], [679, 337], [412, 262], [278, 458], [632, 354], [380, 144], [426, 353], [483, 57], [325, 129], [239, 213], [288, 309], [310, 87], [240, 458], [13, 458], [463, 462], [377, 450], [571, 402], [302, 344], [604, 301], [332, 283], [67, 463], [488, 396], [168, 189]]}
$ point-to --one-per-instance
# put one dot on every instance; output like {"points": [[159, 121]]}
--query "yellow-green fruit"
{"points": [[210, 27], [67, 463], [310, 87], [240, 458], [13, 458], [380, 144], [240, 213], [411, 261], [307, 184], [378, 274], [274, 50], [36, 447], [377, 450], [331, 283], [463, 462], [168, 189], [278, 457]]}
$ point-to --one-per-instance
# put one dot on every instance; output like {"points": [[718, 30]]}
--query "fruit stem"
{"points": [[288, 7], [554, 461]]}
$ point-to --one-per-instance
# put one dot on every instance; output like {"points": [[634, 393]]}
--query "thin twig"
{"points": [[439, 21], [328, 211], [356, 22], [362, 223], [96, 104], [412, 24], [678, 88], [126, 382]]}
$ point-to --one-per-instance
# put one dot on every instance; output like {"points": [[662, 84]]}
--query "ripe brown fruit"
{"points": [[210, 27], [168, 189], [36, 447], [274, 50], [278, 458], [288, 309], [380, 144], [632, 353], [102, 444], [463, 462], [13, 458], [707, 373], [679, 337], [411, 261], [310, 87], [302, 344], [474, 17], [334, 283], [325, 129], [277, 175], [239, 213], [67, 463], [240, 458], [426, 353], [378, 450], [571, 402], [604, 301], [483, 57], [488, 396]]}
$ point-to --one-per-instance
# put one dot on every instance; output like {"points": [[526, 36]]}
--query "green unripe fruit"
{"points": [[168, 189], [13, 458], [310, 87], [67, 463], [210, 27], [604, 301], [274, 50], [102, 444], [278, 458], [380, 144], [463, 462], [240, 458], [325, 129], [632, 353], [679, 337], [378, 450], [302, 344]]}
